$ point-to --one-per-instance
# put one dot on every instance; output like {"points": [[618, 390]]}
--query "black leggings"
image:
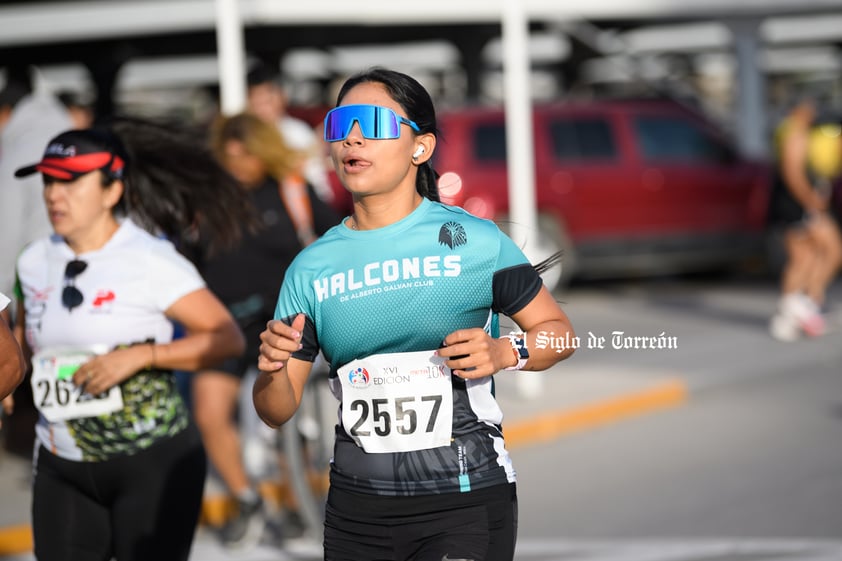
{"points": [[143, 507], [476, 526]]}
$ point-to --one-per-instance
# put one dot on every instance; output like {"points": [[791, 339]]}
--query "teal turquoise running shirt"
{"points": [[402, 289]]}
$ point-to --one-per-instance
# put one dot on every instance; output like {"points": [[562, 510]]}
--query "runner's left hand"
{"points": [[473, 353]]}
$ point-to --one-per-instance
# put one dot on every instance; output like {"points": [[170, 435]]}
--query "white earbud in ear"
{"points": [[418, 152]]}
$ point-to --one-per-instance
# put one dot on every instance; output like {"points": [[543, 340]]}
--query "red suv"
{"points": [[624, 187]]}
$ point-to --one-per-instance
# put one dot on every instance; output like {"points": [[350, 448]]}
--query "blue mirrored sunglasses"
{"points": [[376, 123]]}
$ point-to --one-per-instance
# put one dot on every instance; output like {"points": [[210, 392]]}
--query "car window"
{"points": [[490, 143], [582, 139], [665, 138], [579, 139]]}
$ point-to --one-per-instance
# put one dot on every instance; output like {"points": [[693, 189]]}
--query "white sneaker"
{"points": [[806, 312], [784, 328]]}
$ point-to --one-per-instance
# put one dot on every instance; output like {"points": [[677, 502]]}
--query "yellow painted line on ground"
{"points": [[550, 426], [17, 540]]}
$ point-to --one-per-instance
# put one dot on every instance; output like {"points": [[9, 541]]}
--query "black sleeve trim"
{"points": [[513, 288], [310, 344]]}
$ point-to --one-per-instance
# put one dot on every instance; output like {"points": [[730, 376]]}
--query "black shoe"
{"points": [[245, 529]]}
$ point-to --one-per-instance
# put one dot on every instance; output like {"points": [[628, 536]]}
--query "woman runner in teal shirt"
{"points": [[403, 299]]}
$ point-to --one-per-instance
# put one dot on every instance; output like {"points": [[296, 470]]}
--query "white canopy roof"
{"points": [[48, 22]]}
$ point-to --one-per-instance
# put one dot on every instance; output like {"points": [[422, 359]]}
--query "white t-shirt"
{"points": [[4, 301], [127, 286]]}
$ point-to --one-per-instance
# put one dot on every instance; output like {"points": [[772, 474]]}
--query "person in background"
{"points": [[246, 279], [409, 290], [13, 366], [28, 119], [81, 110], [119, 466], [268, 100], [809, 160]]}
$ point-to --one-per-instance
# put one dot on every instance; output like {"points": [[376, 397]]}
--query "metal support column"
{"points": [[751, 106], [520, 151], [230, 47]]}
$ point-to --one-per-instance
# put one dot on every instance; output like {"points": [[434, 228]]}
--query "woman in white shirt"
{"points": [[119, 465]]}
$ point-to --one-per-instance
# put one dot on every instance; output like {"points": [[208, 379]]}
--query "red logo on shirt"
{"points": [[103, 296]]}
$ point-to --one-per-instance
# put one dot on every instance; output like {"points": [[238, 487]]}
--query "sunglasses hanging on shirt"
{"points": [[72, 297], [376, 123]]}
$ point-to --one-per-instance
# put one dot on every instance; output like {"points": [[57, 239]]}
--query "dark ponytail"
{"points": [[427, 181]]}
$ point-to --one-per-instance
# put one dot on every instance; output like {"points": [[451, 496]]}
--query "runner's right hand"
{"points": [[278, 342]]}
